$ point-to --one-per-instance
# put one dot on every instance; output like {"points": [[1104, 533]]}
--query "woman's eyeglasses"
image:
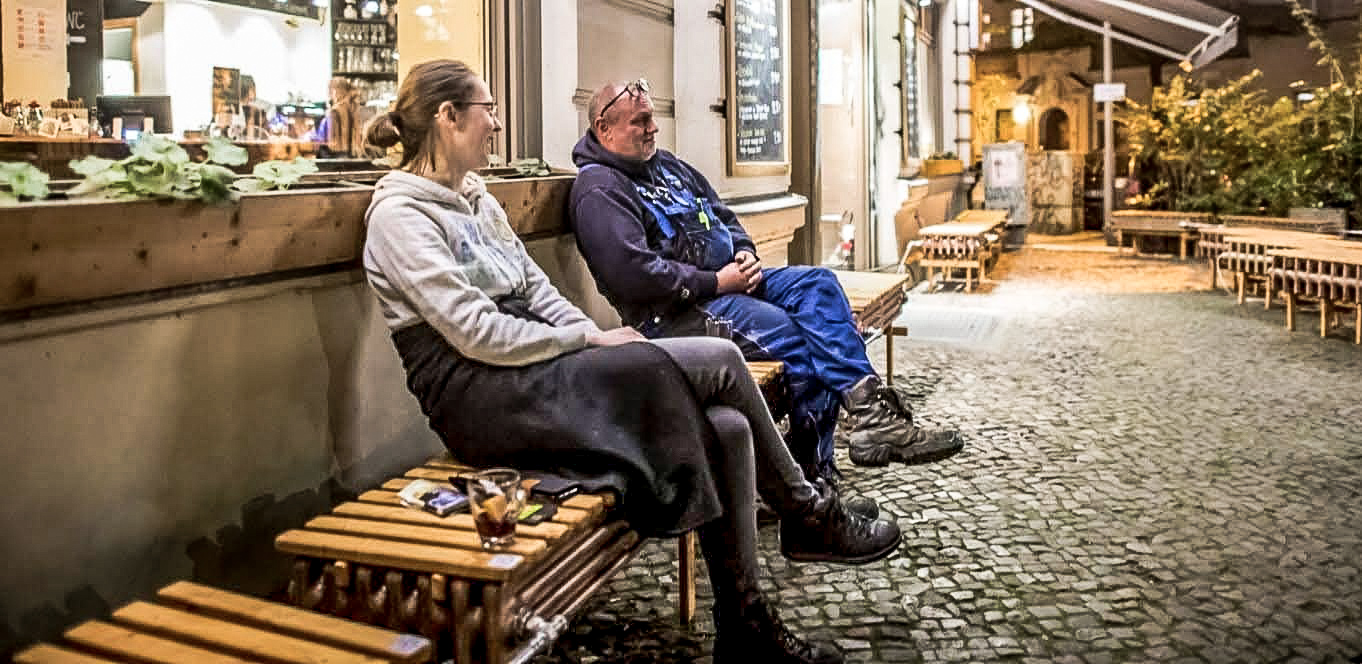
{"points": [[636, 89], [491, 105]]}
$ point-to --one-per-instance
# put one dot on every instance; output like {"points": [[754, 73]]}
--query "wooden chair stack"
{"points": [[195, 624]]}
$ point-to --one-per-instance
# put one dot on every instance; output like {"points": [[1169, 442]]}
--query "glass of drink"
{"points": [[719, 327], [496, 500]]}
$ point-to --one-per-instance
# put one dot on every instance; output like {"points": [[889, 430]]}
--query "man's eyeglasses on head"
{"points": [[636, 89]]}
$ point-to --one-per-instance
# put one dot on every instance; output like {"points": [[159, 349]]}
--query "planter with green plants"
{"points": [[156, 220], [942, 163], [534, 195]]}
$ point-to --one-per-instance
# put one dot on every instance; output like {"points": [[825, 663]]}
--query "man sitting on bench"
{"points": [[512, 374], [669, 255]]}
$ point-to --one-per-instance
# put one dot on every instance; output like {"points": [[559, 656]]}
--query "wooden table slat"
{"points": [[406, 532], [130, 644], [347, 634], [548, 530], [232, 637], [565, 515], [477, 565], [45, 653]]}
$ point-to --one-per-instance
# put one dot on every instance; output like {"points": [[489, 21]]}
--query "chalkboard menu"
{"points": [[758, 125]]}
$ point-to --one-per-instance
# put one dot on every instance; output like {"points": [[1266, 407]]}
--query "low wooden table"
{"points": [[195, 624], [377, 561]]}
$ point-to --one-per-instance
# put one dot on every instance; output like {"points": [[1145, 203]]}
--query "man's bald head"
{"points": [[600, 99], [627, 128]]}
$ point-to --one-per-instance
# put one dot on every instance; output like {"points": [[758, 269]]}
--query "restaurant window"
{"points": [[911, 82], [1023, 26]]}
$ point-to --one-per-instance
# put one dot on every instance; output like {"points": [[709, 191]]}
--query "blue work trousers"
{"points": [[800, 316]]}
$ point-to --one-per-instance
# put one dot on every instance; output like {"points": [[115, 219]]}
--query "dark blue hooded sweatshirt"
{"points": [[654, 233]]}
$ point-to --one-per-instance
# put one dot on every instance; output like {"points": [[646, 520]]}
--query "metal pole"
{"points": [[1108, 131]]}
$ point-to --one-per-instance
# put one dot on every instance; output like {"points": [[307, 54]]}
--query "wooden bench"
{"points": [[195, 624], [1299, 224], [876, 300], [1137, 224], [1330, 275], [1243, 252], [374, 560]]}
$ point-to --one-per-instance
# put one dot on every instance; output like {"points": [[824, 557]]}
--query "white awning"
{"points": [[1188, 31]]}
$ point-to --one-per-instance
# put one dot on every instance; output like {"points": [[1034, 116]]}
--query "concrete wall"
{"points": [[173, 440]]}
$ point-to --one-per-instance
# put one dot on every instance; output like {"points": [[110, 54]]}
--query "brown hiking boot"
{"points": [[882, 429]]}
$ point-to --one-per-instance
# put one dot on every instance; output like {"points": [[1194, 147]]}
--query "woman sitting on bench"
{"points": [[512, 374]]}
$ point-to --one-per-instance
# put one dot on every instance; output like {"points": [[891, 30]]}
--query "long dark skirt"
{"points": [[620, 417]]}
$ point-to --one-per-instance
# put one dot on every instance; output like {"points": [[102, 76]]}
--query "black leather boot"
{"points": [[827, 532], [754, 634]]}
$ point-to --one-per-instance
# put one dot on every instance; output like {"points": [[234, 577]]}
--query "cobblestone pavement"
{"points": [[1147, 478]]}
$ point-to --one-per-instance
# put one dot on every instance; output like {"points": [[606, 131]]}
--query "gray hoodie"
{"points": [[439, 256]]}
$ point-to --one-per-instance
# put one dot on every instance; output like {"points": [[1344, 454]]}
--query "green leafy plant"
{"points": [[22, 181], [1228, 149], [531, 167], [159, 168], [276, 174]]}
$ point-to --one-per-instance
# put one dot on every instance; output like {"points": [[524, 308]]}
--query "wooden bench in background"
{"points": [[1138, 224], [195, 624], [1330, 275]]}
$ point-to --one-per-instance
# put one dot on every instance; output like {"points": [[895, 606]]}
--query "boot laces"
{"points": [[839, 519], [890, 399]]}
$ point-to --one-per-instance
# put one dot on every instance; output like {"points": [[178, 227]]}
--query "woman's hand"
{"points": [[615, 337]]}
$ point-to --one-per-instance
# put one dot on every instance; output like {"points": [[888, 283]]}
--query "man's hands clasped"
{"points": [[742, 275]]}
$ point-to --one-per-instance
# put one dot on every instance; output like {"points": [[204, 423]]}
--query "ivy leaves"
{"points": [[22, 181], [160, 168], [276, 174]]}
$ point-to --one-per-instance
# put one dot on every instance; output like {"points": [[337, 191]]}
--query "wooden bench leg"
{"points": [[1240, 283], [685, 559], [1357, 323], [1291, 312], [1326, 307], [889, 356]]}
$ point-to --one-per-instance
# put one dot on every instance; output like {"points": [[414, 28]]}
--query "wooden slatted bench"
{"points": [[1137, 224], [374, 560], [195, 624], [876, 300], [1330, 275], [962, 245]]}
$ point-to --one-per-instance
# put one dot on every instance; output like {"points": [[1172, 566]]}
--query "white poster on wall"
{"points": [[830, 80], [34, 49]]}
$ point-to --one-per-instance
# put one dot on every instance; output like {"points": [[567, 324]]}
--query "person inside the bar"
{"points": [[670, 255], [340, 132], [510, 373]]}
